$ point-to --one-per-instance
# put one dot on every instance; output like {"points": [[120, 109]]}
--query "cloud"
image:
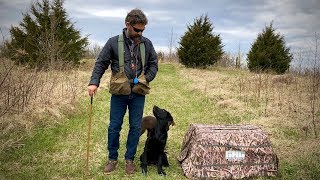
{"points": [[98, 13], [163, 16], [119, 13], [15, 3], [237, 32], [164, 49], [236, 22]]}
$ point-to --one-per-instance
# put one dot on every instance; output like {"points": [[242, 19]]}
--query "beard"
{"points": [[133, 35]]}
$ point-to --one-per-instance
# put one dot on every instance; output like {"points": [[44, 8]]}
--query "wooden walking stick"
{"points": [[88, 144]]}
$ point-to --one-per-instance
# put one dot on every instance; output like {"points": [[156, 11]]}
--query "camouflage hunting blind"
{"points": [[227, 152]]}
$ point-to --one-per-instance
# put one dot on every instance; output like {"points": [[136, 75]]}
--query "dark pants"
{"points": [[118, 107]]}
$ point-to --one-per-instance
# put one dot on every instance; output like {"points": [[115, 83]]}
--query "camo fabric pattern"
{"points": [[142, 87], [227, 152], [119, 84]]}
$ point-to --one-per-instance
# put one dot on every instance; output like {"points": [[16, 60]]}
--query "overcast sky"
{"points": [[237, 22]]}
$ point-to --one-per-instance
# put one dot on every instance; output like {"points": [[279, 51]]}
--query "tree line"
{"points": [[200, 47], [46, 36]]}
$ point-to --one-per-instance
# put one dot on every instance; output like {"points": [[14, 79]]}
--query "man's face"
{"points": [[135, 30]]}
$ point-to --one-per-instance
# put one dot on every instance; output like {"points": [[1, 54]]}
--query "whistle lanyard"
{"points": [[134, 56]]}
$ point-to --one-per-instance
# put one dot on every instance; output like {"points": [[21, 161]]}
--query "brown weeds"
{"points": [[30, 97]]}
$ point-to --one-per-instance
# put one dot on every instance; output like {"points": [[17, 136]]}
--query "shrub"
{"points": [[199, 47], [46, 36], [268, 52]]}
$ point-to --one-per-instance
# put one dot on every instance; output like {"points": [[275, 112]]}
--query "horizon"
{"points": [[237, 23]]}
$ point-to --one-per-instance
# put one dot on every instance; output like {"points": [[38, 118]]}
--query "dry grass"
{"points": [[31, 98], [280, 104], [212, 96]]}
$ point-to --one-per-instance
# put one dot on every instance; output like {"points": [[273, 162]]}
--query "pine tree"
{"points": [[46, 36], [199, 47], [268, 52]]}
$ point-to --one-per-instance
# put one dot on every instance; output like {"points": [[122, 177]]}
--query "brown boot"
{"points": [[130, 168], [110, 166]]}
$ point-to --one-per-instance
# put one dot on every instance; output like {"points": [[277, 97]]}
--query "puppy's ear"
{"points": [[169, 117], [171, 123]]}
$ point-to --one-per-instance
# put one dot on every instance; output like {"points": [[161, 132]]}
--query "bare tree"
{"points": [[95, 50], [2, 43], [2, 35], [238, 58], [315, 85], [170, 43], [92, 51]]}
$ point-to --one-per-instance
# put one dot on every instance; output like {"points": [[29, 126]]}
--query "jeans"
{"points": [[118, 107]]}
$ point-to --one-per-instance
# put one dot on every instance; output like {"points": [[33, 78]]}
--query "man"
{"points": [[133, 67]]}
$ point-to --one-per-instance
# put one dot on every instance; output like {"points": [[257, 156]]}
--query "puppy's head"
{"points": [[163, 116]]}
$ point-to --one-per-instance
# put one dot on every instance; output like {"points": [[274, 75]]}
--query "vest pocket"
{"points": [[119, 84], [142, 87]]}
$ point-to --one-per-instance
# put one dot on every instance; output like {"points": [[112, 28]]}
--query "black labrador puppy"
{"points": [[149, 122], [154, 150]]}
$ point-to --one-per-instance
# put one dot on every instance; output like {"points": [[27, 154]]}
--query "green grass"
{"points": [[306, 166], [59, 152]]}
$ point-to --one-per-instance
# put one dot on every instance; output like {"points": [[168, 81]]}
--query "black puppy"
{"points": [[154, 150]]}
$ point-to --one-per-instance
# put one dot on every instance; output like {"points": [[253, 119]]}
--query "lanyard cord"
{"points": [[135, 55]]}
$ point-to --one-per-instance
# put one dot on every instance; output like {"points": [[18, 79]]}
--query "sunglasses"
{"points": [[136, 29]]}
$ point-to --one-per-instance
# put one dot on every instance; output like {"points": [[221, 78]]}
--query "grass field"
{"points": [[192, 96]]}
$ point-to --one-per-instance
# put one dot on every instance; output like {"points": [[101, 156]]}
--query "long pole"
{"points": [[88, 144]]}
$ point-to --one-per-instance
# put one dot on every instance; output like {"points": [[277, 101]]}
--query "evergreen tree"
{"points": [[46, 36], [268, 52], [199, 47]]}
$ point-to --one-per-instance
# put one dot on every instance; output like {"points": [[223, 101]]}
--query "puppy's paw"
{"points": [[144, 171], [162, 173]]}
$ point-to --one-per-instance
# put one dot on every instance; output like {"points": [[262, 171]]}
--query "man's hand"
{"points": [[92, 89]]}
